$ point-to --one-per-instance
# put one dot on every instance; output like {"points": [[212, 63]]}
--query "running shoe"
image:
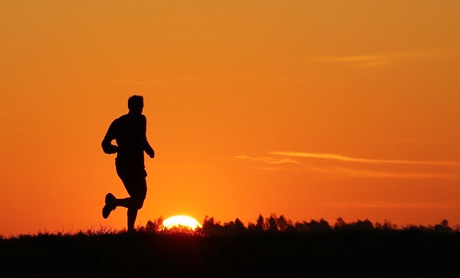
{"points": [[109, 205]]}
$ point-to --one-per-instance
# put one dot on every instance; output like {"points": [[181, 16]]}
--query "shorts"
{"points": [[134, 180]]}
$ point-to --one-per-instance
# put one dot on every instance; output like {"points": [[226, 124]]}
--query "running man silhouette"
{"points": [[129, 131]]}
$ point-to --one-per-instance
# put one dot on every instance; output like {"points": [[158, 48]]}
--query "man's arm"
{"points": [[147, 148], [107, 145]]}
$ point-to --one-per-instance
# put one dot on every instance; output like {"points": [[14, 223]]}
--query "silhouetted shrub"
{"points": [[155, 225], [443, 227]]}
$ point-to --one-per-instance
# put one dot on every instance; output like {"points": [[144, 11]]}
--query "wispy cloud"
{"points": [[365, 160], [268, 160], [333, 171], [381, 59], [391, 205], [361, 173]]}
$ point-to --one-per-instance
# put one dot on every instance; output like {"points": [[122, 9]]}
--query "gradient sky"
{"points": [[309, 109]]}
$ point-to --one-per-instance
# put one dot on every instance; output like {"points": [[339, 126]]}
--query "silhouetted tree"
{"points": [[282, 223], [321, 226], [365, 225], [260, 227], [340, 224], [301, 227], [234, 227], [271, 223], [228, 227], [443, 227], [388, 226], [239, 227], [445, 224], [210, 227], [359, 225]]}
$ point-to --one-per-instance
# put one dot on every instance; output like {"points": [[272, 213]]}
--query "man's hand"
{"points": [[109, 149]]}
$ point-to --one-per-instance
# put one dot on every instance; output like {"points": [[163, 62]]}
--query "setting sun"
{"points": [[181, 220]]}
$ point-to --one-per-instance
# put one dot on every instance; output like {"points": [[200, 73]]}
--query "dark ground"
{"points": [[330, 254]]}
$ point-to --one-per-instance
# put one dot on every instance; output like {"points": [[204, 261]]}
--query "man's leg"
{"points": [[112, 203], [126, 202], [133, 205], [132, 214], [135, 184]]}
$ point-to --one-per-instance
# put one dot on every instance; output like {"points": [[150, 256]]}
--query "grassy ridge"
{"points": [[337, 252]]}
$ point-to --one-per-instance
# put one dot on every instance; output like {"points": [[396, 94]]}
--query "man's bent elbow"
{"points": [[109, 148]]}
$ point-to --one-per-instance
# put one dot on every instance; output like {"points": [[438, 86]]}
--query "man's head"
{"points": [[136, 104]]}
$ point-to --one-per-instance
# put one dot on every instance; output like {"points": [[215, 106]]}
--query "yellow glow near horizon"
{"points": [[181, 220]]}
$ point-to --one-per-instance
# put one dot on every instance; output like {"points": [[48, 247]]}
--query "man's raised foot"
{"points": [[109, 205]]}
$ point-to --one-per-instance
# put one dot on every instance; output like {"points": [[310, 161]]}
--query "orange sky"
{"points": [[310, 109]]}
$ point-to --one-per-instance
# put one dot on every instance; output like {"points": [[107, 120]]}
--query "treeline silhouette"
{"points": [[269, 225], [269, 247], [281, 224]]}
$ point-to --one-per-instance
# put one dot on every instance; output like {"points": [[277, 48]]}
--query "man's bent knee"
{"points": [[138, 203]]}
